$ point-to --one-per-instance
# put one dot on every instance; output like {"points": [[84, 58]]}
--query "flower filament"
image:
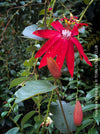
{"points": [[66, 34]]}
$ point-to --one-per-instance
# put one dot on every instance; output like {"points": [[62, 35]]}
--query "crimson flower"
{"points": [[60, 45]]}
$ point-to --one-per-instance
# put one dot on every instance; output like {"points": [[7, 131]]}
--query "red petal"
{"points": [[80, 49], [81, 24], [52, 52], [75, 31], [70, 58], [81, 56], [57, 25], [46, 46], [61, 52], [46, 33], [63, 19]]}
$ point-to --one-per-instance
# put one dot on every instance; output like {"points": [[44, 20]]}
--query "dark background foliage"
{"points": [[14, 17]]}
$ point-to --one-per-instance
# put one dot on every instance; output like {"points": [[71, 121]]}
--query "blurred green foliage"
{"points": [[17, 64]]}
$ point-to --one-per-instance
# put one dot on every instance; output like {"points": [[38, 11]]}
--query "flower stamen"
{"points": [[66, 34]]}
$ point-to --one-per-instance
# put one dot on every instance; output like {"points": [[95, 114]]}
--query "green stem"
{"points": [[7, 69], [39, 106], [85, 10], [2, 36], [60, 84], [62, 108], [77, 85], [48, 109], [45, 14], [66, 8], [15, 123], [11, 107], [51, 12]]}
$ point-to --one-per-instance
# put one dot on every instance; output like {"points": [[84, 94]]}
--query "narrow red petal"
{"points": [[57, 25], [75, 31], [80, 49], [70, 58], [52, 52], [82, 24], [46, 46], [61, 52], [46, 33]]}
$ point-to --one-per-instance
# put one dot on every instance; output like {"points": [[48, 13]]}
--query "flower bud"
{"points": [[48, 122], [78, 114], [53, 68], [50, 9]]}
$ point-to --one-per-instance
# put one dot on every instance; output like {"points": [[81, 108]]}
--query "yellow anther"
{"points": [[66, 21]]}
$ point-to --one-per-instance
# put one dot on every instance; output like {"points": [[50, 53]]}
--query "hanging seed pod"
{"points": [[53, 68], [78, 114]]}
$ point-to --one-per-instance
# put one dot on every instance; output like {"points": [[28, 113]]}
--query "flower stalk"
{"points": [[48, 109], [85, 10], [62, 108]]}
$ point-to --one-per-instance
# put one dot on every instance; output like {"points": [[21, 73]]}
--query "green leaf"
{"points": [[33, 88], [85, 123], [86, 2], [28, 32], [2, 58], [96, 116], [72, 96], [15, 108], [91, 93], [72, 82], [4, 113], [31, 48], [42, 12], [58, 118], [17, 81], [25, 72], [16, 118], [26, 118], [13, 131], [27, 125], [29, 62], [89, 107], [10, 100], [93, 131]]}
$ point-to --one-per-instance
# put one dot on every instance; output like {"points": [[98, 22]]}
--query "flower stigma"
{"points": [[66, 34]]}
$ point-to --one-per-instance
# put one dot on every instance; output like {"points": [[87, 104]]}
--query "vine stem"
{"points": [[7, 26], [85, 10], [57, 92], [66, 8], [51, 12], [77, 84], [45, 14], [48, 109], [15, 123]]}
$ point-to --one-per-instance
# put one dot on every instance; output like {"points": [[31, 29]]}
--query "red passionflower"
{"points": [[60, 45]]}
